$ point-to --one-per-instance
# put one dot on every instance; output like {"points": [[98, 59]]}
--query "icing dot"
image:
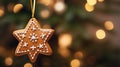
{"points": [[33, 29], [38, 50], [23, 35], [43, 51], [32, 57], [28, 50]]}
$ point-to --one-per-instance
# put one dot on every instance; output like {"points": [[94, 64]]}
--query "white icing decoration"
{"points": [[33, 37], [42, 35], [32, 57], [33, 29], [38, 50], [25, 44], [40, 45], [23, 35], [49, 32], [28, 50], [33, 47]]}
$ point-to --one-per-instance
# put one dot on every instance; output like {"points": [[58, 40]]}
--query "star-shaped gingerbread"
{"points": [[33, 40]]}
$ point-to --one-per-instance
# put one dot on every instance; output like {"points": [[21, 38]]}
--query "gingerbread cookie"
{"points": [[33, 40]]}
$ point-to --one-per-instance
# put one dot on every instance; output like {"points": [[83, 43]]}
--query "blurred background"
{"points": [[87, 32]]}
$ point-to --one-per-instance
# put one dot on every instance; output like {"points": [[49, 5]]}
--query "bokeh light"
{"points": [[2, 50], [65, 40], [10, 7], [78, 54], [92, 2], [8, 61], [100, 34], [28, 65], [17, 8], [46, 2], [1, 11], [46, 26], [75, 63], [45, 13], [109, 25], [100, 0], [89, 8], [64, 52], [60, 7]]}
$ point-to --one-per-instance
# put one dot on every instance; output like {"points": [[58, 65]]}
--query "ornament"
{"points": [[33, 39]]}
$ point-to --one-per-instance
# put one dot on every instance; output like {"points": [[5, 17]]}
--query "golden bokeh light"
{"points": [[109, 25], [89, 8], [65, 40], [92, 2], [2, 51], [47, 26], [64, 52], [1, 12], [10, 7], [75, 63], [100, 0], [17, 8], [8, 61], [60, 7], [46, 2], [100, 34], [45, 13], [78, 54], [28, 65]]}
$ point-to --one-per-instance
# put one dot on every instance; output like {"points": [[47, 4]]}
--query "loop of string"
{"points": [[33, 3]]}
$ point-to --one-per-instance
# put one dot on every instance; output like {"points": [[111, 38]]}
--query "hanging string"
{"points": [[33, 3]]}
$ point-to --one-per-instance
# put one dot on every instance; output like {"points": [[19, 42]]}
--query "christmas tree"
{"points": [[86, 32]]}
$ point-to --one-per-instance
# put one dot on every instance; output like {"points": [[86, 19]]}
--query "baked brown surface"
{"points": [[33, 40]]}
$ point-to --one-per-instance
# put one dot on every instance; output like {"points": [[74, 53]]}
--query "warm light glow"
{"points": [[47, 26], [60, 7], [2, 50], [45, 13], [46, 2], [17, 8], [100, 34], [65, 40], [8, 61], [89, 8], [10, 6], [92, 2], [28, 65], [109, 25], [64, 52], [78, 54], [100, 0], [1, 12], [75, 63]]}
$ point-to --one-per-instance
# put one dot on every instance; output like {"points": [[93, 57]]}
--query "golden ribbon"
{"points": [[33, 3]]}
